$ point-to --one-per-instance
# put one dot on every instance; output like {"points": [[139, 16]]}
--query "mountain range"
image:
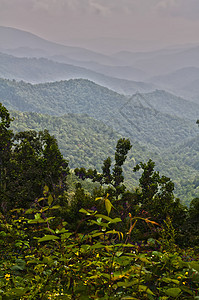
{"points": [[37, 70], [128, 116], [88, 100]]}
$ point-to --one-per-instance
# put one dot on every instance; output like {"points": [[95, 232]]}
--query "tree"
{"points": [[192, 223], [28, 161], [115, 178], [155, 194], [37, 162], [122, 148], [5, 152]]}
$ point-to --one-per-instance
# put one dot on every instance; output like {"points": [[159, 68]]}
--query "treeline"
{"points": [[84, 141]]}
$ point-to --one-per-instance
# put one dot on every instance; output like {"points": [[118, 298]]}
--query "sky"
{"points": [[106, 25]]}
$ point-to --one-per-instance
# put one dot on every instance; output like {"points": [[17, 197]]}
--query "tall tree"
{"points": [[155, 194], [37, 162], [114, 178], [28, 161], [122, 149], [5, 152]]}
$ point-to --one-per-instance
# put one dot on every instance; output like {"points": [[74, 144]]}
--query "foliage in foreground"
{"points": [[44, 260]]}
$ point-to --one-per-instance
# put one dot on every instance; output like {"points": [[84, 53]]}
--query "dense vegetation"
{"points": [[112, 243], [84, 141]]}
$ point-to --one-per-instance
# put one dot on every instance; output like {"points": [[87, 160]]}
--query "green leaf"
{"points": [[30, 211], [37, 216], [173, 292], [50, 200], [40, 199], [128, 245], [98, 198], [46, 189], [63, 230], [34, 261], [82, 210], [120, 234], [116, 220], [187, 290], [103, 217], [97, 234], [194, 265], [108, 206], [20, 265], [48, 238], [126, 283], [168, 280], [65, 235], [99, 223], [143, 288], [36, 221], [145, 260], [119, 253], [55, 207], [157, 253], [97, 246]]}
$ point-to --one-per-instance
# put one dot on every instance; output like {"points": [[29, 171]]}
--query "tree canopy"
{"points": [[28, 161]]}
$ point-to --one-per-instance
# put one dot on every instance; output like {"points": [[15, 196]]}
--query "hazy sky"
{"points": [[140, 23]]}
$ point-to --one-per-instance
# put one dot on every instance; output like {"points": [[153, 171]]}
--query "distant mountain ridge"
{"points": [[168, 103], [13, 40], [169, 62], [143, 71], [38, 70], [183, 81], [129, 118]]}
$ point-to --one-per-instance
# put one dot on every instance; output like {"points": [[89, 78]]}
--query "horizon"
{"points": [[106, 26], [73, 43]]}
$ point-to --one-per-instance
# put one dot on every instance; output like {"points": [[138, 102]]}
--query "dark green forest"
{"points": [[81, 232]]}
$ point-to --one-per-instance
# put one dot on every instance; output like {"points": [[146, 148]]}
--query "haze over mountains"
{"points": [[150, 97], [155, 69], [36, 70]]}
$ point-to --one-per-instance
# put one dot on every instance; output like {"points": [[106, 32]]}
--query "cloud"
{"points": [[186, 9], [86, 7], [61, 20], [183, 8]]}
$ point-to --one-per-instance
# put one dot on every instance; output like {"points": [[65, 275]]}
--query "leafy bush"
{"points": [[44, 261]]}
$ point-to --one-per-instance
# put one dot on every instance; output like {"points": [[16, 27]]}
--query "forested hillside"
{"points": [[86, 142], [126, 116], [168, 103]]}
